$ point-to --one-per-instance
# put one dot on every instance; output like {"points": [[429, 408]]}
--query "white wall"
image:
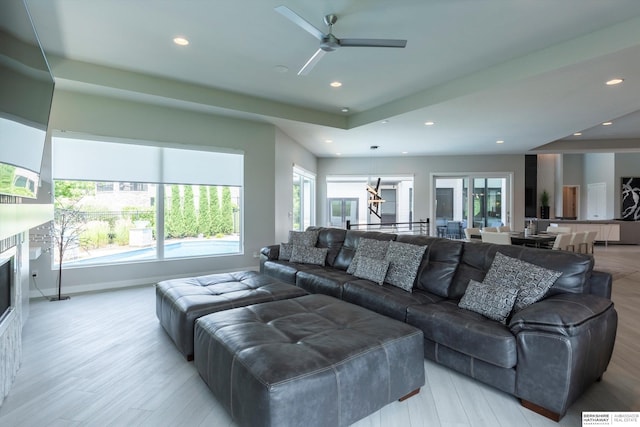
{"points": [[287, 153], [421, 167], [599, 168], [102, 116]]}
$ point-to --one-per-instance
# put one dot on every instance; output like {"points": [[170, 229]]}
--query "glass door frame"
{"points": [[470, 176], [307, 198]]}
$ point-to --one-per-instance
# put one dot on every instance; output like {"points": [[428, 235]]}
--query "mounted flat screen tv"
{"points": [[26, 92]]}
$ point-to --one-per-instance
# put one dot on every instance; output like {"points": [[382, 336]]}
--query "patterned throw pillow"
{"points": [[372, 269], [285, 251], [532, 281], [308, 255], [370, 248], [404, 261], [303, 238], [492, 301]]}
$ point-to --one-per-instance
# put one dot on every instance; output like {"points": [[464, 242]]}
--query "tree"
{"points": [[204, 217], [214, 210], [189, 213], [68, 220], [174, 221], [226, 213]]}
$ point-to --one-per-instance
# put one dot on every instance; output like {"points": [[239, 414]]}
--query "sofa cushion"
{"points": [[494, 302], [330, 238], [303, 238], [283, 270], [350, 245], [477, 258], [465, 331], [372, 269], [308, 255], [438, 268], [370, 248], [386, 299], [532, 281], [285, 251], [321, 280], [404, 260]]}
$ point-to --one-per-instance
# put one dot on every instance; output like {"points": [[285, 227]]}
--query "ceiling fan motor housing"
{"points": [[329, 43]]}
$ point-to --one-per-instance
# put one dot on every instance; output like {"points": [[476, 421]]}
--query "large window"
{"points": [[472, 201], [126, 202]]}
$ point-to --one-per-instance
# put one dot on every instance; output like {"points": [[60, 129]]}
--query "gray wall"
{"points": [[102, 116], [597, 168], [288, 153], [421, 167]]}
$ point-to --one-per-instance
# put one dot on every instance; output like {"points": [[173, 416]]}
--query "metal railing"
{"points": [[420, 227]]}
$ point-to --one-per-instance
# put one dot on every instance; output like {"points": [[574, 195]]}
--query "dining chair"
{"points": [[454, 230], [471, 231], [490, 229], [562, 241], [576, 240], [589, 241], [495, 237]]}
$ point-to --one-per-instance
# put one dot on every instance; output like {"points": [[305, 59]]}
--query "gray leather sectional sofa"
{"points": [[546, 354]]}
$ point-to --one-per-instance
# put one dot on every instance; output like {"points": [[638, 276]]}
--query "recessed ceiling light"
{"points": [[328, 141], [180, 41], [577, 134], [384, 122], [335, 84], [405, 152], [615, 81], [338, 154], [607, 123], [344, 109], [499, 141], [280, 69], [429, 123]]}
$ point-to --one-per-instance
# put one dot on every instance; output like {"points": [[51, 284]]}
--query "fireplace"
{"points": [[7, 274]]}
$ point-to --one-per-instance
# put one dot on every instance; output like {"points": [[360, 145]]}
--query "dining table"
{"points": [[540, 240]]}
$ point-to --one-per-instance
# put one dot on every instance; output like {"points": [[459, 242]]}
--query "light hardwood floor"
{"points": [[102, 359]]}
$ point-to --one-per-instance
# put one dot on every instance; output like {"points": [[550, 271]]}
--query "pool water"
{"points": [[182, 249]]}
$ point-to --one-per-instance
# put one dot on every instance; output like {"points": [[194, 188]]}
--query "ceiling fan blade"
{"points": [[311, 62], [372, 43], [299, 21]]}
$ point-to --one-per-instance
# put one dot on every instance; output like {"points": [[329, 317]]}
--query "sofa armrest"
{"points": [[270, 252], [601, 283], [564, 314], [564, 344]]}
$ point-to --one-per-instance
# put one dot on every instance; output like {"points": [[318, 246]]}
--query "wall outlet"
{"points": [[34, 273]]}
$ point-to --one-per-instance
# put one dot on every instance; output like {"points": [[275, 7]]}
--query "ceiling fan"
{"points": [[329, 42]]}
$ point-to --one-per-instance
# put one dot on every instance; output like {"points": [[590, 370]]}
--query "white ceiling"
{"points": [[526, 72]]}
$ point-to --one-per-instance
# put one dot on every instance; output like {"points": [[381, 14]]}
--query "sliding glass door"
{"points": [[471, 200]]}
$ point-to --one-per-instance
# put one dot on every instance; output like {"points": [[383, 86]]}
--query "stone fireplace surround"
{"points": [[11, 322], [15, 221]]}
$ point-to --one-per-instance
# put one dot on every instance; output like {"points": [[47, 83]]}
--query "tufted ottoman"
{"points": [[307, 361], [179, 302]]}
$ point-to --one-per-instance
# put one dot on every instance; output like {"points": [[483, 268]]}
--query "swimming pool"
{"points": [[184, 249]]}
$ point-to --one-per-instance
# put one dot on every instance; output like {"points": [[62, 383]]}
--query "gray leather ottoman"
{"points": [[307, 361], [179, 302]]}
